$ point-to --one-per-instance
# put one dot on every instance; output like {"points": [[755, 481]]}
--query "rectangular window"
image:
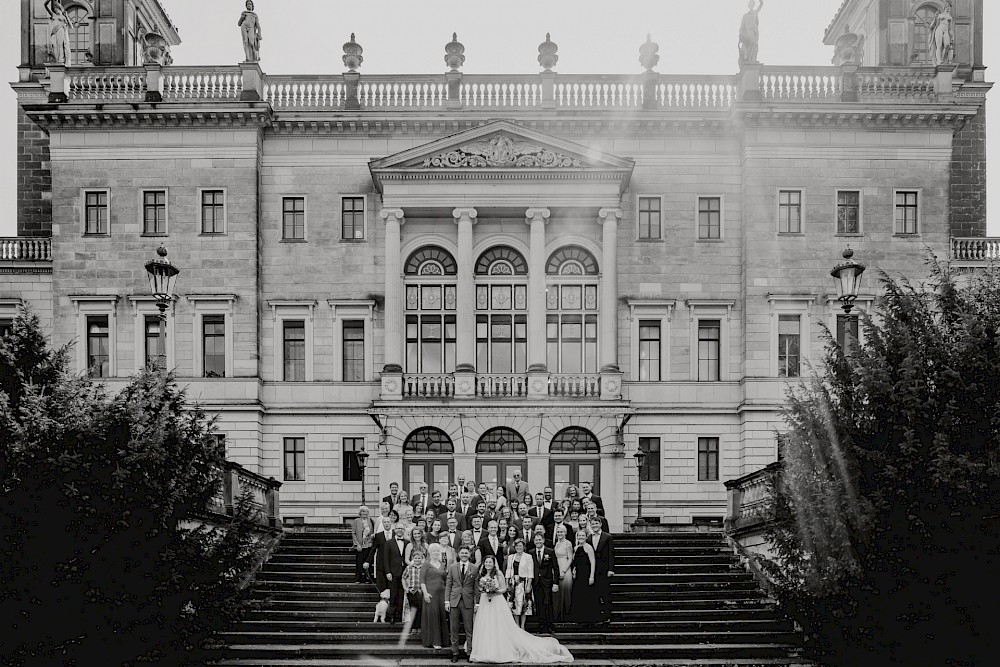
{"points": [[847, 332], [294, 346], [789, 333], [98, 343], [429, 349], [295, 459], [352, 471], [155, 354], [708, 459], [354, 351], [649, 218], [154, 212], [709, 217], [651, 465], [293, 218], [906, 212], [709, 350], [352, 218], [790, 212], [849, 212], [95, 212], [213, 329], [649, 351], [213, 212], [6, 324]]}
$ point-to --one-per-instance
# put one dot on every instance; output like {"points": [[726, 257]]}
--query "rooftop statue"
{"points": [[58, 32], [849, 49], [941, 35], [750, 34], [250, 26]]}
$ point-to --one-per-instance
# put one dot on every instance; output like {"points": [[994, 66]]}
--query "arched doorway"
{"points": [[428, 456], [574, 457], [499, 452]]}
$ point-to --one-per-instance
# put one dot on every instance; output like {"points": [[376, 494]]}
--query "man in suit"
{"points": [[477, 530], [490, 545], [393, 498], [436, 505], [454, 533], [527, 531], [483, 513], [518, 512], [540, 513], [587, 489], [604, 565], [481, 495], [379, 542], [558, 519], [545, 583], [550, 502], [451, 511], [465, 505], [460, 600], [394, 566], [592, 513], [518, 490], [420, 501]]}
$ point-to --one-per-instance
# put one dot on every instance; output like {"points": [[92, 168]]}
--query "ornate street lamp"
{"points": [[162, 277], [362, 457], [640, 461], [847, 278]]}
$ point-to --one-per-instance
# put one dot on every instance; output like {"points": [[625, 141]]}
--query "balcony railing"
{"points": [[575, 386], [975, 249], [749, 498], [25, 249], [261, 493], [502, 385], [428, 386]]}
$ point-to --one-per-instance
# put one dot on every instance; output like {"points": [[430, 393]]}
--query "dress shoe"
{"points": [[454, 657]]}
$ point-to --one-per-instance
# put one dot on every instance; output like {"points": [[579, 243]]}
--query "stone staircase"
{"points": [[679, 598]]}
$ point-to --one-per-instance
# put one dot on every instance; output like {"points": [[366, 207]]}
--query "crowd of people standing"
{"points": [[557, 554]]}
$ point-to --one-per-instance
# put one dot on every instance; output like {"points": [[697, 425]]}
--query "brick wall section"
{"points": [[968, 179], [34, 179]]}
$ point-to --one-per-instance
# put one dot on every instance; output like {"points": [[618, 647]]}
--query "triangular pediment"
{"points": [[501, 146]]}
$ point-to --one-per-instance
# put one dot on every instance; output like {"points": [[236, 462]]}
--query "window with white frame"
{"points": [[97, 319], [295, 459], [846, 329], [154, 212], [709, 350], [293, 350], [650, 339], [650, 350], [650, 218], [790, 333], [352, 218], [501, 311], [351, 469], [213, 316], [80, 35], [353, 348], [709, 218], [293, 218], [96, 215], [789, 345], [213, 211], [213, 336], [708, 459], [650, 471], [571, 302], [292, 346], [710, 321], [431, 302], [149, 349], [9, 309], [848, 211], [907, 211], [789, 211]]}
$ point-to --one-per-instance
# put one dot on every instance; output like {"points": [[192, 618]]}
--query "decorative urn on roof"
{"points": [[454, 53], [849, 49], [648, 56], [352, 54], [547, 53]]}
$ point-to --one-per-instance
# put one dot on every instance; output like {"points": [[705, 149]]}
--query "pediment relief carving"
{"points": [[502, 151]]}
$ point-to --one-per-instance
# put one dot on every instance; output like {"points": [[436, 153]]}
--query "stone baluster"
{"points": [[608, 348], [465, 352], [392, 385], [537, 371]]}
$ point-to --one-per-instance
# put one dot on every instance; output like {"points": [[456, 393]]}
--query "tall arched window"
{"points": [[571, 305], [428, 458], [501, 440], [574, 440], [922, 22], [428, 440], [431, 300], [501, 311], [80, 34], [574, 458]]}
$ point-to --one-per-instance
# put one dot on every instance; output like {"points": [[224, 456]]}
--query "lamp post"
{"points": [[162, 277], [362, 457], [640, 460], [847, 278]]}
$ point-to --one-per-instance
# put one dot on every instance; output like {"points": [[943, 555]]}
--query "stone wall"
{"points": [[34, 179], [968, 178]]}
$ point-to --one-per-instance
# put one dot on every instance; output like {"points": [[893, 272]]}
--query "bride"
{"points": [[497, 638]]}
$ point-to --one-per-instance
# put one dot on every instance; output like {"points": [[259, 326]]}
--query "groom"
{"points": [[460, 599]]}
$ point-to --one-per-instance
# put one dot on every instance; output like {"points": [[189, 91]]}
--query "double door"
{"points": [[563, 472], [497, 472]]}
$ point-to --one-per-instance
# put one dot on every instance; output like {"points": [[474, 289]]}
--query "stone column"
{"points": [[537, 372], [608, 344], [465, 345], [393, 346]]}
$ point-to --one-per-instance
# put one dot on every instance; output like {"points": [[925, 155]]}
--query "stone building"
{"points": [[469, 275]]}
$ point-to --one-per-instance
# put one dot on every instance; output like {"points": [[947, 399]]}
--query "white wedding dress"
{"points": [[496, 637]]}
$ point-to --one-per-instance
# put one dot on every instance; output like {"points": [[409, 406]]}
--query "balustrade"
{"points": [[428, 386], [502, 385], [261, 494], [26, 249], [750, 498], [807, 84], [572, 385], [201, 83], [975, 249], [905, 83], [93, 83]]}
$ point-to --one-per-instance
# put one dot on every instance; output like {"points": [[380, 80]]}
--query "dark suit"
{"points": [[463, 523], [551, 532], [546, 574], [467, 512], [455, 541], [420, 503], [597, 501], [392, 503], [437, 509], [394, 565], [604, 562], [460, 594], [541, 515], [378, 555], [487, 550]]}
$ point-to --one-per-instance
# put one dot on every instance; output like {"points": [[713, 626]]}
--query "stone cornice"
{"points": [[897, 116], [151, 116]]}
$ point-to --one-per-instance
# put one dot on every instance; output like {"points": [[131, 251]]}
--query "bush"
{"points": [[96, 568], [886, 511]]}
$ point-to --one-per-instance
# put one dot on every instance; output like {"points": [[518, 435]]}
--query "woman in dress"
{"points": [[362, 531], [497, 637], [448, 555], [564, 554], [520, 572], [434, 620], [415, 545], [509, 537], [435, 531], [586, 601]]}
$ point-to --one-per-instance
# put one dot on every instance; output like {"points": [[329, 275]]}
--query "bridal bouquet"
{"points": [[489, 586]]}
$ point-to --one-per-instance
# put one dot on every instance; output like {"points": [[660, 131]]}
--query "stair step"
{"points": [[676, 614], [445, 662], [314, 625], [640, 606]]}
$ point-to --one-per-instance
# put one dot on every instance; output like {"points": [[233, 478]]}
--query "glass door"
{"points": [[436, 473], [566, 472], [497, 472]]}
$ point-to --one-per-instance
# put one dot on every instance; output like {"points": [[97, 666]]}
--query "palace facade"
{"points": [[467, 275]]}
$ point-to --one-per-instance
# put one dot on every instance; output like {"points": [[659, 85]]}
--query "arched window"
{"points": [[571, 311], [574, 440], [571, 261], [79, 34], [431, 301], [501, 440], [501, 311], [428, 440], [922, 22]]}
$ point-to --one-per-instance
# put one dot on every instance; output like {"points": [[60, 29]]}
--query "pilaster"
{"points": [[536, 217], [393, 302], [608, 345], [465, 346]]}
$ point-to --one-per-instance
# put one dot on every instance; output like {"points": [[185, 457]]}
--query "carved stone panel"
{"points": [[501, 151]]}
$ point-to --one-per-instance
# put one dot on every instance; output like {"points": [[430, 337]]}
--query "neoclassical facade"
{"points": [[470, 275]]}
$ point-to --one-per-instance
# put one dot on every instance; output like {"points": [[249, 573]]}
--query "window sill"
{"points": [[353, 240], [710, 240], [855, 235], [293, 241], [151, 234], [213, 234], [906, 236], [660, 240], [791, 235], [98, 235]]}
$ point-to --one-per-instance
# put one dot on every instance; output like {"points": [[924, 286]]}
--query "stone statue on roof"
{"points": [[250, 27], [58, 32], [750, 33]]}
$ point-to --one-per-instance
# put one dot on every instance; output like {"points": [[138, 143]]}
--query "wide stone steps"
{"points": [[695, 611], [271, 624]]}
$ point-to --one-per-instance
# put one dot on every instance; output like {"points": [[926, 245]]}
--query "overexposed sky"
{"points": [[500, 36]]}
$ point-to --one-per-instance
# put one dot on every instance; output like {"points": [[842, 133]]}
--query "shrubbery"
{"points": [[96, 569], [888, 512]]}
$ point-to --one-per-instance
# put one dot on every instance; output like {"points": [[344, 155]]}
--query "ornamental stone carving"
{"points": [[849, 49], [249, 25], [352, 55], [501, 151], [454, 53], [750, 34], [648, 53], [547, 53]]}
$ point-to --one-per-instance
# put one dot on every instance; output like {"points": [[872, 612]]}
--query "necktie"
{"points": [[463, 570]]}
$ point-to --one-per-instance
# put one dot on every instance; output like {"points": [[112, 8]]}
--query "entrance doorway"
{"points": [[574, 458], [428, 456], [499, 453]]}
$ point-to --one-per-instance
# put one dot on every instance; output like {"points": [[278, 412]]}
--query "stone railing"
{"points": [[806, 84], [502, 385], [749, 498], [975, 249], [25, 249], [428, 386], [575, 385], [106, 83], [136, 84], [201, 83], [261, 493], [896, 83]]}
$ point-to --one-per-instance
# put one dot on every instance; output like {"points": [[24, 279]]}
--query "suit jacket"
{"points": [[544, 515], [415, 502], [482, 534], [487, 550], [514, 494], [463, 523], [359, 539], [392, 503], [597, 501], [604, 554], [468, 511], [547, 569], [378, 551], [457, 589], [437, 509], [550, 532], [455, 541], [394, 561]]}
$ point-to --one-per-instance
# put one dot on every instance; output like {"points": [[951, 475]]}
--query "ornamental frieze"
{"points": [[501, 151]]}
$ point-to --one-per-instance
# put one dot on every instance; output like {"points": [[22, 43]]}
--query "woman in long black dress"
{"points": [[586, 607], [434, 621]]}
